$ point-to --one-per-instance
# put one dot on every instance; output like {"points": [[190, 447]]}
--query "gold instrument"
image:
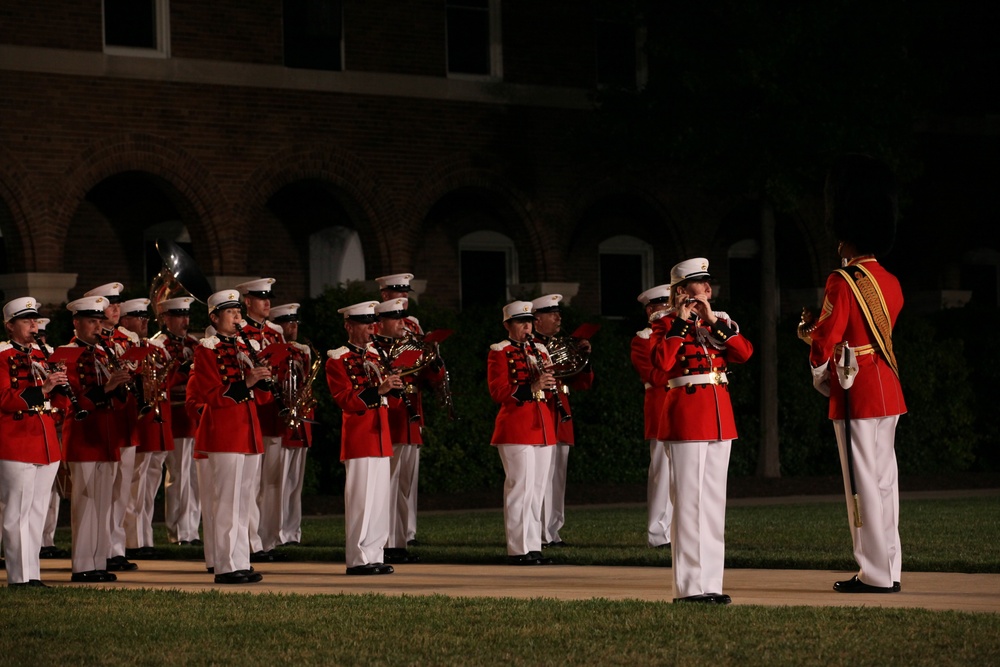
{"points": [[565, 356], [299, 395], [537, 368], [406, 343], [154, 382], [116, 364], [179, 274]]}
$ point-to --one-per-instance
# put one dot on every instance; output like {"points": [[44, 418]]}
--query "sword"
{"points": [[846, 381]]}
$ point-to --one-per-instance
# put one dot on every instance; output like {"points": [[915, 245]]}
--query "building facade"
{"points": [[322, 141]]}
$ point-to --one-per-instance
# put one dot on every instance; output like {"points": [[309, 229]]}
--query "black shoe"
{"points": [[184, 543], [370, 568], [665, 545], [197, 543], [252, 577], [556, 543], [120, 564], [855, 585], [413, 543], [706, 598], [293, 543], [37, 583], [396, 555], [53, 552], [211, 570], [3, 564], [238, 577], [33, 583], [526, 559], [265, 557], [542, 560], [93, 577]]}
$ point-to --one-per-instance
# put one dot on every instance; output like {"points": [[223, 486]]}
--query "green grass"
{"points": [[89, 627], [73, 626], [959, 535]]}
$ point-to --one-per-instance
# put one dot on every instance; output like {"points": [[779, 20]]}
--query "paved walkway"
{"points": [[927, 590]]}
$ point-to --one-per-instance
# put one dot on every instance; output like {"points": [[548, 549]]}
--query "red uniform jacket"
{"points": [[353, 378], [580, 381], [876, 391], [181, 354], [228, 420], [299, 362], [266, 333], [27, 419], [653, 379], [100, 435], [682, 348], [154, 430], [523, 419]]}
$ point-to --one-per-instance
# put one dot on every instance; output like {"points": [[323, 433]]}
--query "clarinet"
{"points": [[78, 412], [265, 385], [564, 415]]}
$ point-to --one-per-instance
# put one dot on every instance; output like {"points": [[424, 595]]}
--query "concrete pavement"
{"points": [[926, 590]]}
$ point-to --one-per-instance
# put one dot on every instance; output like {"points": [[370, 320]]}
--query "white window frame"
{"points": [[629, 245], [162, 50], [496, 49], [490, 241]]}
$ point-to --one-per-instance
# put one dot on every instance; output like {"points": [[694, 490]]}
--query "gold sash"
{"points": [[869, 295]]}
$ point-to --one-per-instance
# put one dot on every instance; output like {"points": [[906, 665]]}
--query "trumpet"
{"points": [[65, 389]]}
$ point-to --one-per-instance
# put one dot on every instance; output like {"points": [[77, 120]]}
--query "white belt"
{"points": [[715, 377]]}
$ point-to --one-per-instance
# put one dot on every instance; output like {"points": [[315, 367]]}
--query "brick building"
{"points": [[320, 141]]}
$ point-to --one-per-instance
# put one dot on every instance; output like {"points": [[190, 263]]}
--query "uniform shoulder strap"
{"points": [[869, 296]]}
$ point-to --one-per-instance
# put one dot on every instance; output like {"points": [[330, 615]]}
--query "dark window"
{"points": [[313, 30], [621, 280], [484, 281], [130, 23], [469, 37], [614, 49]]}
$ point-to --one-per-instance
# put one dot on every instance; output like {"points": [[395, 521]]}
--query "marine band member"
{"points": [[29, 445]]}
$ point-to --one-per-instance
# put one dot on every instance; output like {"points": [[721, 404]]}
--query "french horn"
{"points": [[565, 356]]}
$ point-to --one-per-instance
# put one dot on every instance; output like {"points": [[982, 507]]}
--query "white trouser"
{"points": [[233, 493], [698, 475], [181, 506], [24, 496], [291, 499], [366, 509], [261, 505], [146, 482], [554, 501], [90, 513], [122, 500], [659, 507], [272, 482], [876, 543], [404, 471], [526, 468], [52, 516], [204, 471]]}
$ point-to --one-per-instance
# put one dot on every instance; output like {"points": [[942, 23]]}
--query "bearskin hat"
{"points": [[862, 203]]}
